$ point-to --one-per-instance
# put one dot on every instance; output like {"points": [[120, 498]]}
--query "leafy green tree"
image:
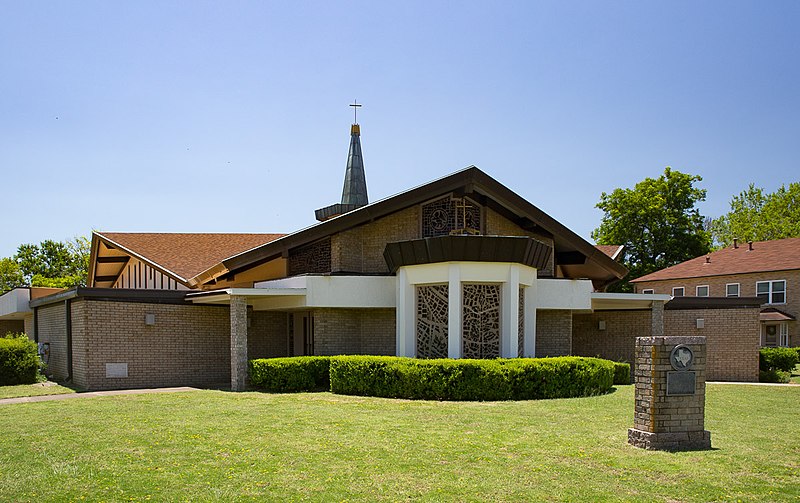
{"points": [[657, 221], [50, 263], [10, 275], [756, 215]]}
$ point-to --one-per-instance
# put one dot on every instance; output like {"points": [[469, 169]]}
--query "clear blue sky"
{"points": [[232, 116]]}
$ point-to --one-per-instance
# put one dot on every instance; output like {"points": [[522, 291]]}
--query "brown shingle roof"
{"points": [[778, 255], [612, 251], [185, 254]]}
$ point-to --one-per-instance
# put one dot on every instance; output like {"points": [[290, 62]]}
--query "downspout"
{"points": [[68, 311]]}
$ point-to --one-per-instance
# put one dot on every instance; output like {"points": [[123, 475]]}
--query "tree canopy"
{"points": [[49, 264], [757, 215], [657, 221]]}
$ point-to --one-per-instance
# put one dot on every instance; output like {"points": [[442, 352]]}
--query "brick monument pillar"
{"points": [[670, 394]]}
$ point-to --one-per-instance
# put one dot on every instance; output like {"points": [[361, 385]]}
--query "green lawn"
{"points": [[795, 375], [214, 445], [37, 389]]}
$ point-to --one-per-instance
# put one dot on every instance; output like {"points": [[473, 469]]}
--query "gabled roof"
{"points": [[765, 256], [581, 259], [180, 255], [613, 251]]}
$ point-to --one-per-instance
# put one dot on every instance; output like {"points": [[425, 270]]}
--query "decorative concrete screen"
{"points": [[481, 320], [446, 215], [521, 323], [432, 317]]}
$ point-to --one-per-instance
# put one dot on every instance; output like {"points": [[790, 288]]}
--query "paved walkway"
{"points": [[754, 383], [67, 396]]}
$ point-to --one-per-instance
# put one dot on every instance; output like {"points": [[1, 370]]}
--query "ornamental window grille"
{"points": [[480, 336], [432, 319], [449, 215], [312, 258]]}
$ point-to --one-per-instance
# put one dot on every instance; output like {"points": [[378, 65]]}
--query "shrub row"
{"points": [[396, 377], [288, 375], [783, 359], [19, 360], [622, 373]]}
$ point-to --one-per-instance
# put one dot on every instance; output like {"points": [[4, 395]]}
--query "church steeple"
{"points": [[354, 191]]}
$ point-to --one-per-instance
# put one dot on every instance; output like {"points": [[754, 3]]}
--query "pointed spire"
{"points": [[355, 181], [354, 191]]}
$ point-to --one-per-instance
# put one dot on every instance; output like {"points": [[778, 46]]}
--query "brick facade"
{"points": [[732, 339], [354, 331], [553, 332], [617, 341], [13, 326], [747, 288], [498, 225], [52, 327]]}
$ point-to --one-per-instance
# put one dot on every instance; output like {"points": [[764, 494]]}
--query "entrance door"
{"points": [[302, 334]]}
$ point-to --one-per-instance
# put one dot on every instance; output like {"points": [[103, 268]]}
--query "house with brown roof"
{"points": [[769, 270], [460, 267]]}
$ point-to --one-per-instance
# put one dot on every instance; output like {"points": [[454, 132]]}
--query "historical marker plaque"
{"points": [[681, 383]]}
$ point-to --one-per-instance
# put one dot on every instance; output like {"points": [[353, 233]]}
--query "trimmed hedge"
{"points": [[777, 359], [622, 373], [293, 374], [19, 360], [773, 376], [445, 379]]}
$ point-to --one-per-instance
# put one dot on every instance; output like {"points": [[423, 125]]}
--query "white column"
{"points": [[238, 343], [454, 314], [530, 321], [509, 324], [406, 315]]}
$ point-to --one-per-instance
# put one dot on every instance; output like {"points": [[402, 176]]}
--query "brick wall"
{"points": [[28, 325], [553, 332], [360, 249], [617, 342], [267, 335], [354, 331], [747, 288], [498, 225], [187, 346], [732, 338], [15, 326], [52, 327]]}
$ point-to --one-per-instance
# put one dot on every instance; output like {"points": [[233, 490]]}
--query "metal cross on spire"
{"points": [[355, 106]]}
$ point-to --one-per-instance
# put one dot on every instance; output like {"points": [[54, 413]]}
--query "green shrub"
{"points": [[777, 359], [774, 376], [287, 375], [622, 373], [445, 379], [19, 360]]}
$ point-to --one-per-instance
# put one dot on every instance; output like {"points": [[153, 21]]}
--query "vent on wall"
{"points": [[116, 370]]}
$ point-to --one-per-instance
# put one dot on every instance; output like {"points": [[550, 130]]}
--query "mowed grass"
{"points": [[38, 389], [214, 445]]}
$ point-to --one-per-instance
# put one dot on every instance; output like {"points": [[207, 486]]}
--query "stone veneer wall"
{"points": [[52, 327], [732, 339], [15, 326], [617, 342], [354, 331], [553, 332]]}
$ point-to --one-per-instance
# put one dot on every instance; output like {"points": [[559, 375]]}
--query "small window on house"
{"points": [[701, 291], [772, 292], [677, 291], [648, 290], [732, 290]]}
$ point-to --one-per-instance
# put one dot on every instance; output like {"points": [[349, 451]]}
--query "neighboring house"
{"points": [[769, 270], [461, 267]]}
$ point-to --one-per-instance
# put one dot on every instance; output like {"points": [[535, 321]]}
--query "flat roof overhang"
{"points": [[602, 301]]}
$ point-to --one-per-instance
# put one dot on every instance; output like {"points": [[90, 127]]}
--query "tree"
{"points": [[657, 221], [10, 275], [50, 263], [756, 215]]}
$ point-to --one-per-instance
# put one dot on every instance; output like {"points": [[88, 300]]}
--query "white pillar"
{"points": [[454, 314], [238, 342], [530, 321], [509, 324], [405, 317]]}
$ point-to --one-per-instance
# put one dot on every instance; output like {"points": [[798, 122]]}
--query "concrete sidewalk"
{"points": [[89, 394]]}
